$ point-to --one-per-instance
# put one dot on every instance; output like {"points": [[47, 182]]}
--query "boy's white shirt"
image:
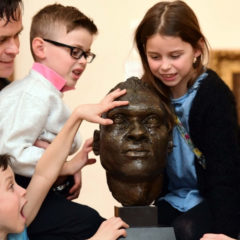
{"points": [[31, 109]]}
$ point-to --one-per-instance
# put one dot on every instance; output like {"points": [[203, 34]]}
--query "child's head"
{"points": [[171, 20], [61, 38], [12, 200]]}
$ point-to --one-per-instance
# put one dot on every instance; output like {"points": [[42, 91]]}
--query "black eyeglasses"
{"points": [[75, 52]]}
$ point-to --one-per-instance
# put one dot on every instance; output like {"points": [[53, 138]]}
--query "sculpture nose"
{"points": [[137, 131]]}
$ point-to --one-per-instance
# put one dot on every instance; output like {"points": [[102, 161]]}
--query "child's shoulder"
{"points": [[214, 83], [213, 90], [32, 86]]}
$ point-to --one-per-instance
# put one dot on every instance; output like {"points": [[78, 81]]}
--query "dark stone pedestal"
{"points": [[149, 233], [138, 216], [143, 223]]}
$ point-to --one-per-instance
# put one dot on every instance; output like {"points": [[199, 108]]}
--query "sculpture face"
{"points": [[133, 149]]}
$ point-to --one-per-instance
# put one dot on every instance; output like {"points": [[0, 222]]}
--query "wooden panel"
{"points": [[225, 63]]}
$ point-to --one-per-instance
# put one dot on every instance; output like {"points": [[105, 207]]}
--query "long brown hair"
{"points": [[174, 19]]}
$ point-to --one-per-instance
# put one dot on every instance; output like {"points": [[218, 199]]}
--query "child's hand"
{"points": [[81, 158], [92, 112], [111, 229], [74, 191], [211, 236], [41, 144]]}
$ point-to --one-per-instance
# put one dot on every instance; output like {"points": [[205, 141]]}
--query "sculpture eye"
{"points": [[118, 118], [152, 121]]}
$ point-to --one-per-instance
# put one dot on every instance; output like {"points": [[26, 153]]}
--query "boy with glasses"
{"points": [[61, 39]]}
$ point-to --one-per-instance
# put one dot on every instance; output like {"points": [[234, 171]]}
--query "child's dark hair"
{"points": [[9, 9], [47, 21], [5, 161], [175, 19]]}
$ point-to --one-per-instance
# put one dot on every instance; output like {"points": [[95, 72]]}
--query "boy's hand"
{"points": [[211, 236], [111, 229], [80, 160], [93, 112], [75, 189]]}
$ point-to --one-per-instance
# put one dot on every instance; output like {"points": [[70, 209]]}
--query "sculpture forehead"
{"points": [[141, 95], [140, 100]]}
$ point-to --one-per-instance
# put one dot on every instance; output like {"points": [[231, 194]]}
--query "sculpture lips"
{"points": [[136, 153]]}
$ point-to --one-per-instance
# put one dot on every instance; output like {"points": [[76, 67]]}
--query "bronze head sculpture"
{"points": [[133, 149]]}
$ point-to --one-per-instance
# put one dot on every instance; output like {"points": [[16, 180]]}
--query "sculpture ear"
{"points": [[96, 142]]}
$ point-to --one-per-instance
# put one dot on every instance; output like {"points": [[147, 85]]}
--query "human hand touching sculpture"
{"points": [[133, 149]]}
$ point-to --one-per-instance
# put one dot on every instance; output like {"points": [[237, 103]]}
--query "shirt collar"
{"points": [[53, 77]]}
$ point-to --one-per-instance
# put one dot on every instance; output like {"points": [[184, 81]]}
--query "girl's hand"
{"points": [[111, 229], [211, 236], [93, 112]]}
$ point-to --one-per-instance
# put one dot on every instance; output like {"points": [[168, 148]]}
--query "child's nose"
{"points": [[165, 64]]}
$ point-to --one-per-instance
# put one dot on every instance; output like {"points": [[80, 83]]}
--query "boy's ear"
{"points": [[38, 47], [96, 142]]}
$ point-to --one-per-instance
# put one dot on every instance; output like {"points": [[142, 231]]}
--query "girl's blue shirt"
{"points": [[183, 191], [18, 236]]}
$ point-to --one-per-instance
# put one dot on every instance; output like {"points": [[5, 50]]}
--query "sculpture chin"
{"points": [[135, 193]]}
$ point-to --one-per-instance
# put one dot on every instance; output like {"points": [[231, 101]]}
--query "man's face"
{"points": [[134, 146], [9, 45]]}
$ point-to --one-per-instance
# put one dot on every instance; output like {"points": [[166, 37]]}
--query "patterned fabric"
{"points": [[186, 137]]}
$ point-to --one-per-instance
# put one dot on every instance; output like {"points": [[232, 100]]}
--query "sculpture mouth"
{"points": [[136, 153]]}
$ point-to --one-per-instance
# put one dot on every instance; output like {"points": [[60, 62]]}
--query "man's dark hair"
{"points": [[8, 9]]}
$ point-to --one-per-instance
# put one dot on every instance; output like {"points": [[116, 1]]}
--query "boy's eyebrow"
{"points": [[6, 180], [9, 178], [80, 46]]}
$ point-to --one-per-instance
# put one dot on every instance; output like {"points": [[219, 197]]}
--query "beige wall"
{"points": [[116, 20]]}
